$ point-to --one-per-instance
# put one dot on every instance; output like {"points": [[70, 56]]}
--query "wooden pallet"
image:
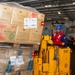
{"points": [[17, 45]]}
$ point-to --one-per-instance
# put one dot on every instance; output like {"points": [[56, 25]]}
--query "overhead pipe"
{"points": [[55, 6], [24, 1]]}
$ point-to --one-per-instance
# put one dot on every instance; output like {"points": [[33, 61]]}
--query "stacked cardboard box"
{"points": [[18, 64], [11, 16], [5, 14]]}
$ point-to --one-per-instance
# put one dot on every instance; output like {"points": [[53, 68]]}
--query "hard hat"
{"points": [[59, 27]]}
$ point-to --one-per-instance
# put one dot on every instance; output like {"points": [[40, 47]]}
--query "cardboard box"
{"points": [[7, 33], [26, 58], [22, 35], [6, 54], [40, 18], [26, 72], [18, 16], [35, 36], [5, 14]]}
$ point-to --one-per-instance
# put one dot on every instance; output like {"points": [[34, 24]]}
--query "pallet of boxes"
{"points": [[20, 34]]}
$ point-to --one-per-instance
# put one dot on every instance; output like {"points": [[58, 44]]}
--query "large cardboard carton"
{"points": [[36, 33], [26, 72], [39, 16], [18, 16], [7, 33], [22, 35], [5, 14], [5, 55], [26, 58], [35, 36]]}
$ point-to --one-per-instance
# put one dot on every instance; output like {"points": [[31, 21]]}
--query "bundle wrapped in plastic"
{"points": [[28, 20]]}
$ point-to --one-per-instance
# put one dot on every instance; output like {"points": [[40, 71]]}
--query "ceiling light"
{"points": [[59, 12], [47, 5], [73, 2], [48, 18], [66, 18]]}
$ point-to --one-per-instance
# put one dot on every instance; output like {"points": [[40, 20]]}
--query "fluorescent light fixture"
{"points": [[59, 12], [47, 5], [66, 18], [73, 2], [48, 18]]}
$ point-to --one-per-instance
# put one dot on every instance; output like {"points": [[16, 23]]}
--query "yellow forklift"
{"points": [[51, 60]]}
